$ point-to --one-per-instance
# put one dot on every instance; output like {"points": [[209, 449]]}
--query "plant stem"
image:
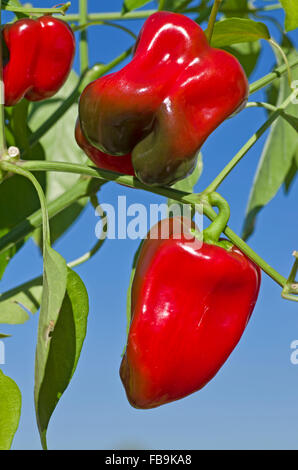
{"points": [[82, 259], [236, 12], [212, 19], [271, 272], [84, 58], [267, 79], [290, 289], [113, 16], [33, 10], [276, 46], [81, 189], [261, 104], [248, 145], [10, 167], [215, 229], [106, 23], [180, 196], [161, 5]]}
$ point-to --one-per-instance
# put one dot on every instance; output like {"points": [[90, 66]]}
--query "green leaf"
{"points": [[54, 288], [59, 145], [15, 303], [292, 120], [17, 197], [60, 341], [233, 8], [276, 159], [291, 10], [176, 5], [4, 336], [10, 3], [292, 173], [130, 5], [187, 184], [10, 410], [247, 53], [237, 30]]}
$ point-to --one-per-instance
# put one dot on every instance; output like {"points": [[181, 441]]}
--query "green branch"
{"points": [[161, 5], [105, 23], [248, 145], [112, 16], [84, 54], [84, 187], [29, 10], [290, 290], [240, 11], [212, 19], [180, 196], [270, 77], [10, 167]]}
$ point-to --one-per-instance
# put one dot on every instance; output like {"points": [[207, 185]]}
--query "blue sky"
{"points": [[252, 402]]}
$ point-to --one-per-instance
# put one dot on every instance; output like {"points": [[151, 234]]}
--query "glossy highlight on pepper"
{"points": [[189, 309], [161, 107], [38, 56]]}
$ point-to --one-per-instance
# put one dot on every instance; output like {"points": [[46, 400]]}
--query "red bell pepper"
{"points": [[190, 306], [102, 160], [38, 56], [163, 105]]}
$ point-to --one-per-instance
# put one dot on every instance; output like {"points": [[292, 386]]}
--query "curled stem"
{"points": [[126, 180], [285, 59]]}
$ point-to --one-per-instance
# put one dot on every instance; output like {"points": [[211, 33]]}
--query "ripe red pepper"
{"points": [[102, 160], [163, 105], [190, 306], [38, 56]]}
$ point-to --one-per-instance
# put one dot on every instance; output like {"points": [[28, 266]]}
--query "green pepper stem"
{"points": [[80, 27], [290, 290], [29, 10], [84, 55], [10, 238], [161, 5], [212, 19], [267, 79], [261, 104], [213, 232], [110, 16], [275, 45]]}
